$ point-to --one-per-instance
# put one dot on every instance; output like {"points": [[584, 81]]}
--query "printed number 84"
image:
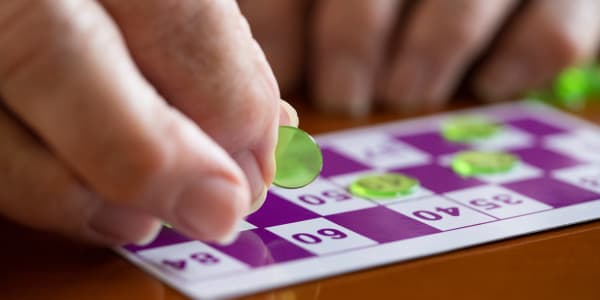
{"points": [[202, 258]]}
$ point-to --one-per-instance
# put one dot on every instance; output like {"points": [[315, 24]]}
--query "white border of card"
{"points": [[294, 272]]}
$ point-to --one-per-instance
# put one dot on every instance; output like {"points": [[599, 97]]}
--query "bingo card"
{"points": [[323, 230]]}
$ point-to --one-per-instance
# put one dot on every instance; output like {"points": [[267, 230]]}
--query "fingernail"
{"points": [[119, 225], [288, 114], [231, 237], [249, 164], [344, 86], [210, 209], [259, 201], [151, 235]]}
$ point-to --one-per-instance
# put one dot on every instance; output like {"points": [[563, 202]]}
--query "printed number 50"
{"points": [[326, 195]]}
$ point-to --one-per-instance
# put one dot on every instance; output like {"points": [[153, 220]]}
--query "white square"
{"points": [[508, 138], [347, 179], [244, 225], [191, 260], [497, 201], [380, 150], [441, 213], [321, 236], [583, 144], [586, 177], [323, 198]]}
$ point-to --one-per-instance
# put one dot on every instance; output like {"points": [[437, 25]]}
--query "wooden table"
{"points": [[559, 264]]}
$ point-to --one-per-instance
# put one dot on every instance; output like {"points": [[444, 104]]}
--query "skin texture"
{"points": [[412, 55], [121, 114]]}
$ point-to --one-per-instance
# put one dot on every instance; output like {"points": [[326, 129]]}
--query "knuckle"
{"points": [[68, 26], [214, 17]]}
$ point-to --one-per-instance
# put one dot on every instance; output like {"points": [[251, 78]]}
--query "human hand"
{"points": [[120, 114], [412, 55]]}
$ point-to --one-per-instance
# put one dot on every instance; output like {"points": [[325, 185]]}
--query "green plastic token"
{"points": [[576, 84], [472, 163], [298, 158], [386, 185], [469, 128], [572, 87]]}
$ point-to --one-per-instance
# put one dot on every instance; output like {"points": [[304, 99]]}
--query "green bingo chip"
{"points": [[572, 87], [386, 185], [472, 163], [469, 128], [298, 158]]}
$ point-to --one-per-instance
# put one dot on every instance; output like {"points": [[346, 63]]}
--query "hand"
{"points": [[120, 114], [411, 55]]}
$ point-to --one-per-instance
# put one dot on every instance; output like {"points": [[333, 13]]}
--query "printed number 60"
{"points": [[308, 238]]}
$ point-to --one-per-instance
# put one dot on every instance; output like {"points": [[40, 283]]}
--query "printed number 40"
{"points": [[434, 216]]}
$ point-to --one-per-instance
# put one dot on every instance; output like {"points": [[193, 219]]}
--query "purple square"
{"points": [[277, 211], [536, 127], [166, 237], [432, 143], [552, 192], [336, 164], [439, 179], [259, 247], [545, 159], [382, 224]]}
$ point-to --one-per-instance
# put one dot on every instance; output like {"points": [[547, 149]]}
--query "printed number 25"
{"points": [[493, 203]]}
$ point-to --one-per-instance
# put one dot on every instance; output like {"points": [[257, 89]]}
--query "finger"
{"points": [[225, 85], [546, 37], [441, 40], [38, 191], [349, 39], [97, 113], [279, 27]]}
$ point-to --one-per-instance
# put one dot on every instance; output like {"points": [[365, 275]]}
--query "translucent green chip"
{"points": [[576, 84], [386, 185], [572, 87], [298, 158], [469, 128], [472, 163], [572, 83]]}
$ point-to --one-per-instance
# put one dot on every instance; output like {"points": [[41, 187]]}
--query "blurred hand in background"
{"points": [[412, 55]]}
